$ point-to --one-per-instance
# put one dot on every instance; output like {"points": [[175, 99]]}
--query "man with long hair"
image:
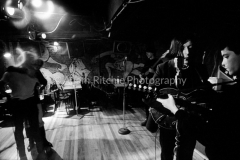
{"points": [[220, 135]]}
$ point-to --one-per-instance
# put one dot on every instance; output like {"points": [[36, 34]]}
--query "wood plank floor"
{"points": [[91, 136]]}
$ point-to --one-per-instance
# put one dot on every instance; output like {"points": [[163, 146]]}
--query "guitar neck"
{"points": [[154, 65]]}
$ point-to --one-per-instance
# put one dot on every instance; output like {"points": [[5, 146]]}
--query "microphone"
{"points": [[125, 59]]}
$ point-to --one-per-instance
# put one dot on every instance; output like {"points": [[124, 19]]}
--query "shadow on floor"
{"points": [[6, 122]]}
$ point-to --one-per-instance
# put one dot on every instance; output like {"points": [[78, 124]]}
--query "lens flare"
{"points": [[36, 3], [46, 14]]}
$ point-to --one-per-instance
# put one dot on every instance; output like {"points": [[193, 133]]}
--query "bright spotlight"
{"points": [[55, 43], [49, 6], [37, 3], [14, 12], [7, 55], [43, 35], [10, 11], [35, 35]]}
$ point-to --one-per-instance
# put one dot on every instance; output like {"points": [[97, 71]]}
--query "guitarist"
{"points": [[220, 135], [180, 68], [148, 68], [147, 72]]}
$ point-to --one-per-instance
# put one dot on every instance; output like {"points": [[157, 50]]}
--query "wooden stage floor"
{"points": [[93, 135]]}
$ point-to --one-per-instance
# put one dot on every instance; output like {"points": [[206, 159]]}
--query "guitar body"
{"points": [[163, 117], [163, 120]]}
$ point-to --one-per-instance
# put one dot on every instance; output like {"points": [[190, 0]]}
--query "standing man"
{"points": [[38, 89], [23, 103], [220, 135], [152, 63], [182, 73], [147, 72]]}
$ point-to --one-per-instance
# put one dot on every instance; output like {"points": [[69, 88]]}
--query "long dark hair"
{"points": [[175, 46]]}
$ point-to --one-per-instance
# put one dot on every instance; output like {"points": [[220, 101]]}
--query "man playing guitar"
{"points": [[150, 67], [147, 73], [220, 135], [179, 68]]}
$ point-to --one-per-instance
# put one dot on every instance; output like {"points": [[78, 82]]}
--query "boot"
{"points": [[144, 122], [43, 135], [22, 155], [30, 137]]}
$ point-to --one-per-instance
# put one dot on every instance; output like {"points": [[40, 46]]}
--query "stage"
{"points": [[93, 136]]}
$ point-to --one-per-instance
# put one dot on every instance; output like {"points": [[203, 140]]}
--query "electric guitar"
{"points": [[164, 117]]}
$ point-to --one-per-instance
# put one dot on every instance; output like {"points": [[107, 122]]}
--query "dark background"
{"points": [[88, 24]]}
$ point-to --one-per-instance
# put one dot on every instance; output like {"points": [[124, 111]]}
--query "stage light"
{"points": [[10, 11], [45, 11], [7, 55], [37, 3], [15, 13], [43, 35], [55, 43], [34, 35], [20, 4]]}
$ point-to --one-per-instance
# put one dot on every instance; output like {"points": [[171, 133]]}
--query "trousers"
{"points": [[23, 110]]}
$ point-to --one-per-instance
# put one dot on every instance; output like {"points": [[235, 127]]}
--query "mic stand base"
{"points": [[124, 131]]}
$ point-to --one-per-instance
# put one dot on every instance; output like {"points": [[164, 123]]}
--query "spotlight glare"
{"points": [[36, 3], [14, 13], [43, 35], [55, 43], [10, 11], [44, 15], [7, 55]]}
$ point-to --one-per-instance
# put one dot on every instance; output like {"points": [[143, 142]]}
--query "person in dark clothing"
{"points": [[38, 89], [23, 103], [147, 72], [169, 54], [178, 73], [220, 135], [148, 69]]}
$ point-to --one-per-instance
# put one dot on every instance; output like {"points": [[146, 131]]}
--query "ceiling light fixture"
{"points": [[37, 3], [14, 13], [35, 35]]}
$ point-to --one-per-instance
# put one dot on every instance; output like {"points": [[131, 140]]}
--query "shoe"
{"points": [[48, 151], [144, 122], [48, 144]]}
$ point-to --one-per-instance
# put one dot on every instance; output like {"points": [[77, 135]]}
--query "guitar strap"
{"points": [[199, 75]]}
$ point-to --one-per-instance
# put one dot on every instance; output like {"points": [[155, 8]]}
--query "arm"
{"points": [[169, 103], [157, 74], [41, 79], [3, 82]]}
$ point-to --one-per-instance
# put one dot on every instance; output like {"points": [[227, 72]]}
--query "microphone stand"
{"points": [[75, 93], [124, 129]]}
